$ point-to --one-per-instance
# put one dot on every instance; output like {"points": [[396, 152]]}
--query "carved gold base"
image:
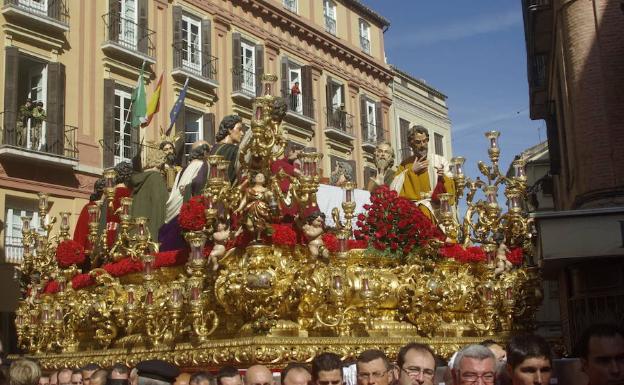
{"points": [[275, 352]]}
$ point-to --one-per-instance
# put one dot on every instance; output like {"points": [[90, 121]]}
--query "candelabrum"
{"points": [[344, 229], [336, 312], [304, 187]]}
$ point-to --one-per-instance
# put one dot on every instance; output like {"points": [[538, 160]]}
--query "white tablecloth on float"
{"points": [[329, 197]]}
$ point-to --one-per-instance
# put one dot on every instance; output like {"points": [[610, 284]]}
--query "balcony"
{"points": [[365, 44], [27, 139], [13, 250], [128, 39], [369, 136], [339, 124], [300, 108], [330, 25], [244, 83], [50, 14], [193, 63]]}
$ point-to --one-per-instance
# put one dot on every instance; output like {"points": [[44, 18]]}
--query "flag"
{"points": [[154, 103], [139, 104], [177, 107]]}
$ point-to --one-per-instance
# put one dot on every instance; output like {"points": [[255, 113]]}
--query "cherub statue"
{"points": [[256, 206], [502, 264], [220, 237], [313, 229]]}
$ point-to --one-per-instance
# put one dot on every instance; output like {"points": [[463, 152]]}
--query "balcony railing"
{"points": [[340, 120], [30, 134], [13, 250], [330, 25], [52, 9], [128, 34], [298, 104], [369, 133], [193, 61], [365, 44], [245, 81]]}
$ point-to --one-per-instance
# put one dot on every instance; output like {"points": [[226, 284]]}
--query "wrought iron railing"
{"points": [[31, 134], [340, 120], [245, 81], [129, 34], [52, 9], [299, 104], [330, 25], [194, 61], [369, 132], [13, 250], [365, 44]]}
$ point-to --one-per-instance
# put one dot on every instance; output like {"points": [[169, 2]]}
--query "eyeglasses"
{"points": [[415, 371], [373, 375], [472, 378]]}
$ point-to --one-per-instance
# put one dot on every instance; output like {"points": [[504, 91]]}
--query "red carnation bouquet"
{"points": [[393, 223], [70, 252], [123, 267], [515, 256], [170, 258], [52, 287], [192, 217], [80, 281], [283, 235], [458, 253]]}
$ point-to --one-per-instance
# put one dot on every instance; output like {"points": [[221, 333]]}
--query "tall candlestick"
{"points": [[43, 201]]}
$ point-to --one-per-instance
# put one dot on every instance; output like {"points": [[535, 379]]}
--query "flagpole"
{"points": [[173, 121], [130, 107]]}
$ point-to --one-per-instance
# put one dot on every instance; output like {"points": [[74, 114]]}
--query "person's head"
{"points": [[99, 377], [498, 350], [229, 375], [316, 218], [279, 109], [601, 349], [98, 189], [76, 377], [232, 126], [156, 372], [183, 379], [293, 151], [199, 150], [40, 104], [295, 374], [64, 377], [474, 363], [29, 102], [327, 369], [374, 368], [258, 178], [119, 375], [200, 378], [87, 371], [24, 372], [54, 378], [529, 360], [418, 139], [124, 171], [44, 380], [259, 375], [416, 364], [384, 155]]}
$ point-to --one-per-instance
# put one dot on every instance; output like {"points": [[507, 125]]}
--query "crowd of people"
{"points": [[526, 360]]}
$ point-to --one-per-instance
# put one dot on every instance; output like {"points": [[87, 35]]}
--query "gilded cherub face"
{"points": [[260, 178]]}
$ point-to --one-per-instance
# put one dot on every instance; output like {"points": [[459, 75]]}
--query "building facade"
{"points": [[575, 62], [416, 103]]}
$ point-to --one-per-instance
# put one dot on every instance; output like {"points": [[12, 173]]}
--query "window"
{"points": [[122, 144], [13, 234], [248, 64], [329, 10], [291, 5], [294, 79], [371, 122], [193, 129], [364, 36], [439, 144], [404, 147], [39, 6], [36, 83], [129, 23], [191, 43]]}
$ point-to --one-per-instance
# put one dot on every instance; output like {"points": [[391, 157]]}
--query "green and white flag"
{"points": [[139, 102]]}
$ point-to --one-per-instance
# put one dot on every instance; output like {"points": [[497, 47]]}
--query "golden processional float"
{"points": [[272, 293]]}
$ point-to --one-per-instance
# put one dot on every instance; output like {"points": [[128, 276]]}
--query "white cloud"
{"points": [[458, 30]]}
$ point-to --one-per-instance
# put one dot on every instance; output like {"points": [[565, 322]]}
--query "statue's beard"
{"points": [[170, 159], [382, 164]]}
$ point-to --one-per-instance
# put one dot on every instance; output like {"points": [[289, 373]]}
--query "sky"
{"points": [[473, 51]]}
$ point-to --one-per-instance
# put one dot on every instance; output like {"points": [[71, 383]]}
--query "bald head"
{"points": [[259, 375], [183, 379], [198, 143]]}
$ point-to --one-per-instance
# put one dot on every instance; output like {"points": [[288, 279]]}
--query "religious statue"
{"points": [[285, 169], [220, 237], [257, 207], [384, 161], [502, 263], [313, 229], [422, 176], [81, 231], [342, 174], [228, 138], [168, 167], [24, 116]]}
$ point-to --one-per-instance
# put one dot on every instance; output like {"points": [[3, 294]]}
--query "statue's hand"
{"points": [[420, 165]]}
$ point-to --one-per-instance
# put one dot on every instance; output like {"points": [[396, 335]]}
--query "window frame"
{"points": [[118, 145], [249, 74], [365, 35], [438, 139], [200, 128], [295, 5], [333, 16], [186, 43], [371, 127]]}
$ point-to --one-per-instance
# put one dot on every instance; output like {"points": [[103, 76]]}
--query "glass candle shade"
{"points": [[64, 220], [445, 207], [343, 244], [148, 264], [337, 282], [365, 284], [194, 293], [26, 224], [348, 192], [197, 248], [490, 194], [149, 297], [109, 178], [43, 201], [126, 205], [519, 170], [492, 136], [94, 213], [458, 162]]}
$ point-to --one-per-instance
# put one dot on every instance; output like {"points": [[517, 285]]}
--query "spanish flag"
{"points": [[154, 103]]}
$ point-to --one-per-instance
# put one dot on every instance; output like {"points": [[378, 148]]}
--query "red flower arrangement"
{"points": [[192, 217], [331, 242], [82, 280], [70, 252], [283, 235], [123, 267], [52, 287], [171, 258], [458, 253], [515, 256], [395, 223], [357, 244]]}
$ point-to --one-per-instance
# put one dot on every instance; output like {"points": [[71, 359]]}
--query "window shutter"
{"points": [[379, 122], [177, 36], [109, 123], [209, 128], [114, 19], [404, 127], [206, 49], [342, 96], [180, 129], [55, 108], [11, 74], [364, 117], [237, 68], [143, 41], [259, 68], [308, 95], [328, 100], [285, 79]]}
